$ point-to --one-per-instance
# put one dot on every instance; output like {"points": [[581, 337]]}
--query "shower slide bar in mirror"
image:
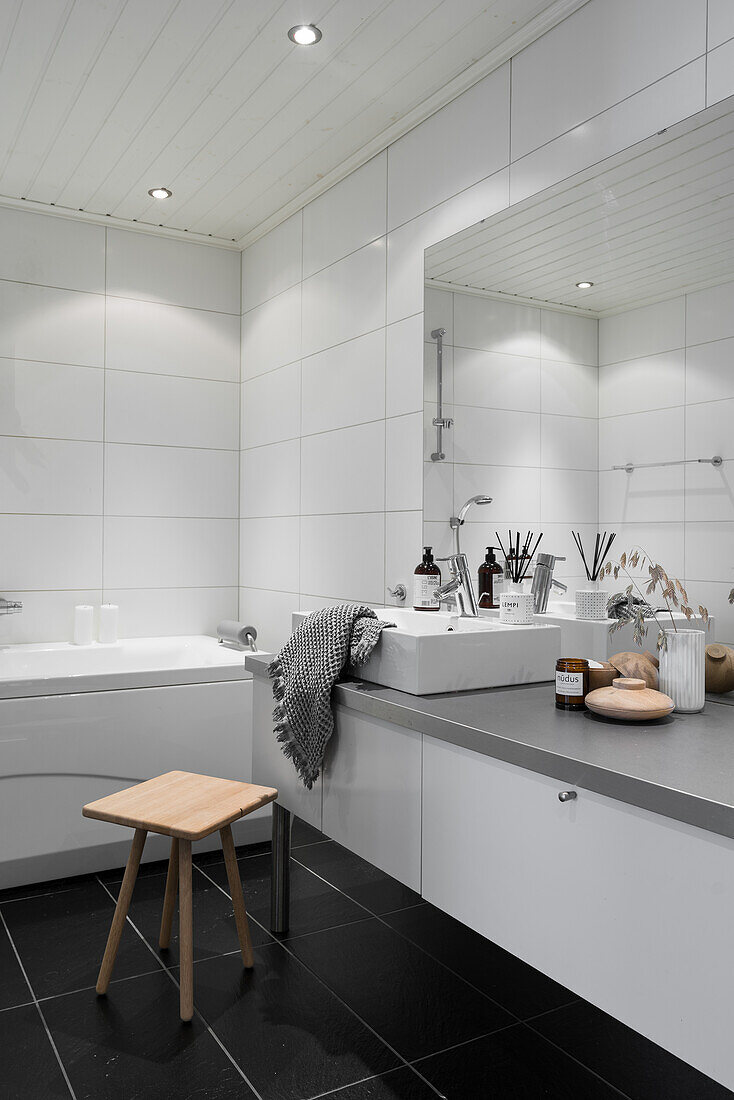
{"points": [[439, 421], [717, 460]]}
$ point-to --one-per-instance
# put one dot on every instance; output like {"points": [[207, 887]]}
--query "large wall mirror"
{"points": [[598, 406]]}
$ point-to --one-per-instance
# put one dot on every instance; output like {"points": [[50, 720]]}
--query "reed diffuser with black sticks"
{"points": [[591, 602], [517, 557]]}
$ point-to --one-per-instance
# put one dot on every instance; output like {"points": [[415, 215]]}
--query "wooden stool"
{"points": [[185, 807]]}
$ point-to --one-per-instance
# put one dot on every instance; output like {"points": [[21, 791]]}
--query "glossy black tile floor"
{"points": [[372, 995]]}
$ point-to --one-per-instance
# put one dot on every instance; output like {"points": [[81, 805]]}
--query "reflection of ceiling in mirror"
{"points": [[643, 225]]}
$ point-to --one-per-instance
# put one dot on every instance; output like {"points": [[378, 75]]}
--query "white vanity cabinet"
{"points": [[631, 910], [372, 794]]}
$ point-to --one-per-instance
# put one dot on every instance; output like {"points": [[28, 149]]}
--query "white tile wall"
{"points": [[119, 427], [344, 384], [344, 469], [350, 215], [345, 300], [271, 406], [272, 264]]}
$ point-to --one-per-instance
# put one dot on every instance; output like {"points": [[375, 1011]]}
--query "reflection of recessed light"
{"points": [[160, 193], [305, 34], [584, 285]]}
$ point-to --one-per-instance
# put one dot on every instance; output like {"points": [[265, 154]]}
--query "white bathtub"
{"points": [[79, 722]]}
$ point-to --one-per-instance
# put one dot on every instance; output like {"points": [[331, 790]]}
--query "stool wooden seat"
{"points": [[186, 807]]}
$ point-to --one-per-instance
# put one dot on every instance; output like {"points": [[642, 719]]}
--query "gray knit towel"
{"points": [[304, 672]]}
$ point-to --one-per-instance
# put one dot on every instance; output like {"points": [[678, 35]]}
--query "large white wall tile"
{"points": [[710, 491], [51, 399], [272, 264], [515, 491], [170, 481], [568, 496], [438, 312], [50, 475], [659, 542], [404, 366], [496, 326], [569, 442], [720, 73], [344, 384], [53, 251], [344, 471], [640, 385], [494, 438], [163, 339], [270, 480], [153, 612], [710, 551], [404, 463], [345, 300], [271, 407], [269, 553], [346, 217], [641, 437], [403, 551], [709, 429], [709, 371], [406, 245], [270, 613], [715, 596], [51, 552], [568, 338], [710, 314], [56, 326], [652, 496], [47, 616], [662, 104], [181, 273], [271, 333], [344, 556], [178, 412], [496, 381], [438, 489], [600, 55], [169, 553], [642, 332], [569, 389], [721, 22], [464, 142]]}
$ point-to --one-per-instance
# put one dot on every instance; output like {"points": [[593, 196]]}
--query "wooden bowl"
{"points": [[637, 666], [629, 700], [601, 674], [719, 669]]}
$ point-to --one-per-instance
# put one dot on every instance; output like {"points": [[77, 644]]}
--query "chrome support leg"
{"points": [[280, 886]]}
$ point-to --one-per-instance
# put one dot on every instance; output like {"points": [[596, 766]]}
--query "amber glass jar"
{"points": [[572, 682]]}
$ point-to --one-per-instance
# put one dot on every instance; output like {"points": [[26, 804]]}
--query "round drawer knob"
{"points": [[567, 796]]}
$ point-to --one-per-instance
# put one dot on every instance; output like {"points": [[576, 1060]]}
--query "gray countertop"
{"points": [[681, 766]]}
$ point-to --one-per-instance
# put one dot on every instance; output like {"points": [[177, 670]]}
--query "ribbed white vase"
{"points": [[683, 669]]}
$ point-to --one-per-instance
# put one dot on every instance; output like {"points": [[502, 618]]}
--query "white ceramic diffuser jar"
{"points": [[516, 607], [683, 669], [591, 602]]}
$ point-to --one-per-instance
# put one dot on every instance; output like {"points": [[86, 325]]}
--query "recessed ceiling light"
{"points": [[160, 193], [584, 284], [305, 34]]}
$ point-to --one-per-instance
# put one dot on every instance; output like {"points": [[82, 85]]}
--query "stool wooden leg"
{"points": [[123, 904], [185, 930], [169, 902], [235, 889]]}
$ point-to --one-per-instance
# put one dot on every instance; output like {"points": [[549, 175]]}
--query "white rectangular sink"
{"points": [[429, 652]]}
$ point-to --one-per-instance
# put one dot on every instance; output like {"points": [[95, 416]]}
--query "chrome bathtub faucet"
{"points": [[10, 607], [459, 589]]}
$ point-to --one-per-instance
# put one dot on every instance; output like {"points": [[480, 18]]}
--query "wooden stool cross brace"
{"points": [[186, 807]]}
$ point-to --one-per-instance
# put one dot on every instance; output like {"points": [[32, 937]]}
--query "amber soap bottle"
{"points": [[489, 575], [426, 580]]}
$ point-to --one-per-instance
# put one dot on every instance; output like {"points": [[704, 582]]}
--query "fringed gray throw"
{"points": [[304, 672]]}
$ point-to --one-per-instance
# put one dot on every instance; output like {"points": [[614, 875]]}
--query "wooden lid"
{"points": [[628, 683], [716, 652]]}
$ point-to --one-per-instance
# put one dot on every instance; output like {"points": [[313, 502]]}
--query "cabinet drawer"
{"points": [[630, 910]]}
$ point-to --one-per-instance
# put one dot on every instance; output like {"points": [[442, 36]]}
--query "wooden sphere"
{"points": [[719, 669], [630, 700], [639, 666]]}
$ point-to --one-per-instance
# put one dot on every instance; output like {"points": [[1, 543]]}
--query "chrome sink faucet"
{"points": [[543, 581], [10, 607], [459, 588]]}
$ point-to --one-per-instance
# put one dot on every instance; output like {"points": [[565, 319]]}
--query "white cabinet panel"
{"points": [[372, 794], [630, 910], [271, 768]]}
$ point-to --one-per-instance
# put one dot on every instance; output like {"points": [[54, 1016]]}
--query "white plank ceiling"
{"points": [[103, 99], [651, 222]]}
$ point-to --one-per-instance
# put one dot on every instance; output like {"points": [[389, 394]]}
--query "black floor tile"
{"points": [[61, 938], [215, 931], [400, 1084], [374, 889], [638, 1067], [132, 1043], [28, 1066], [314, 904], [289, 1034], [13, 986], [517, 1064], [34, 889], [204, 859], [518, 987], [412, 1001], [114, 875], [302, 833]]}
